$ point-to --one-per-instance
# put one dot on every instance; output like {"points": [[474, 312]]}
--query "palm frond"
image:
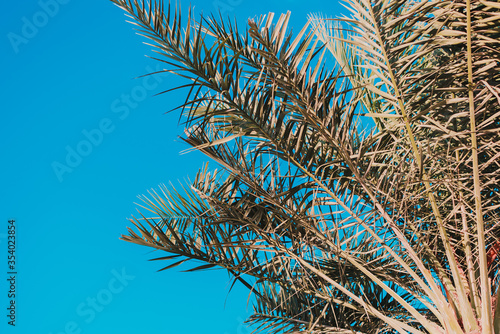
{"points": [[334, 229]]}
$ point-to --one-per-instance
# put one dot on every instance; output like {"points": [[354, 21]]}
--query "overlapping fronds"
{"points": [[335, 229]]}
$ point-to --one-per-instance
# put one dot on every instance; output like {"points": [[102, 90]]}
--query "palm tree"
{"points": [[357, 199]]}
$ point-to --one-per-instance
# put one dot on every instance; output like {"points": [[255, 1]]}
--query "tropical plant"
{"points": [[357, 199]]}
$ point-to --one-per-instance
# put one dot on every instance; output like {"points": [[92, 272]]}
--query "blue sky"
{"points": [[80, 140]]}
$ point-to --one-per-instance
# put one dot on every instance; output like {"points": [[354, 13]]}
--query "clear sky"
{"points": [[80, 140]]}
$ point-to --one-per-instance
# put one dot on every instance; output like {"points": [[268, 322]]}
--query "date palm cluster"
{"points": [[356, 186]]}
